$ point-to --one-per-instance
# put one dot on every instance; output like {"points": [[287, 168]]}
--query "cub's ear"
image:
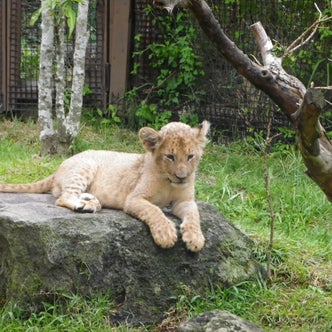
{"points": [[150, 138], [201, 131]]}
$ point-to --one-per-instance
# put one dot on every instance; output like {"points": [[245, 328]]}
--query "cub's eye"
{"points": [[191, 157], [170, 157]]}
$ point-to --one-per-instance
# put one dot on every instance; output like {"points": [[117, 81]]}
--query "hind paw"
{"points": [[87, 203]]}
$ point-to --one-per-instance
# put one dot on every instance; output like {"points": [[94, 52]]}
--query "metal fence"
{"points": [[19, 57], [231, 103]]}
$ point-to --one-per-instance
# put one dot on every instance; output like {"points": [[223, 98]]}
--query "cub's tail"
{"points": [[39, 187]]}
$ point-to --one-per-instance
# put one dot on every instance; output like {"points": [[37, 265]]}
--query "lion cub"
{"points": [[138, 184]]}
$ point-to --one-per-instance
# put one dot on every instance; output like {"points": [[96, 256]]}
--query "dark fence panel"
{"points": [[23, 57], [95, 57], [233, 105], [20, 57]]}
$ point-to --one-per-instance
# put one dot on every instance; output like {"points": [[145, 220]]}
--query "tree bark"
{"points": [[313, 142], [302, 107], [60, 80], [81, 41], [52, 56], [45, 87]]}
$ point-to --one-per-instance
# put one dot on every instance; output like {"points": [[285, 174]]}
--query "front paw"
{"points": [[164, 234], [193, 237], [87, 203]]}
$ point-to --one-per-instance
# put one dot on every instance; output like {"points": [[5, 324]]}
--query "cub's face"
{"points": [[177, 149], [178, 158]]}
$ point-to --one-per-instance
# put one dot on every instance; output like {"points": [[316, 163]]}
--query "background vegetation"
{"points": [[175, 47], [299, 296]]}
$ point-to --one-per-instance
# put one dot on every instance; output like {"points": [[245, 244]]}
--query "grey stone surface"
{"points": [[44, 248], [218, 321]]}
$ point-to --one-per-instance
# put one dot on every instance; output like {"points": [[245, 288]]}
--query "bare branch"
{"points": [[324, 87], [307, 35]]}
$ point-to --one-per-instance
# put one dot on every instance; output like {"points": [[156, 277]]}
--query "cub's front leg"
{"points": [[191, 231], [162, 229]]}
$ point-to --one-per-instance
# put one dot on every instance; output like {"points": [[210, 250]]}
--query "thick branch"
{"points": [[307, 123], [313, 143]]}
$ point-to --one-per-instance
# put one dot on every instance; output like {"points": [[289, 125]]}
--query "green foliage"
{"points": [[67, 95], [235, 299], [100, 119], [190, 117], [59, 9], [177, 70], [147, 114], [29, 62], [112, 111]]}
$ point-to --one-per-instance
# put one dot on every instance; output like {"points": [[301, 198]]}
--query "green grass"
{"points": [[299, 296], [66, 313]]}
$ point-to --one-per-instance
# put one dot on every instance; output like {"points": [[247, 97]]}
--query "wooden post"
{"points": [[118, 45], [4, 55]]}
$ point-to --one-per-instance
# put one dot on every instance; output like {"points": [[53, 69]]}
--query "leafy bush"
{"points": [[177, 69]]}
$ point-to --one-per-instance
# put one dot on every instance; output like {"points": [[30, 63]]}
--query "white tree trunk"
{"points": [[81, 41], [52, 56], [45, 88], [60, 79]]}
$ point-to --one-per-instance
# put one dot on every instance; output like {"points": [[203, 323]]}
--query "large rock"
{"points": [[44, 248]]}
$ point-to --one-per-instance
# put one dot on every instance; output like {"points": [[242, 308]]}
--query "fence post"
{"points": [[118, 46], [4, 55]]}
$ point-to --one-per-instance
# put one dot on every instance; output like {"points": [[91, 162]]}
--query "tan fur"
{"points": [[139, 184]]}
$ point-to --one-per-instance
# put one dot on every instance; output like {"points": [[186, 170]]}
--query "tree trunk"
{"points": [[81, 41], [45, 88], [60, 79], [53, 56], [302, 107], [313, 142]]}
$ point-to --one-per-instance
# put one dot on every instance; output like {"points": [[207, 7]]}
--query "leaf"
{"points": [[100, 112], [138, 37], [35, 16], [71, 19]]}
